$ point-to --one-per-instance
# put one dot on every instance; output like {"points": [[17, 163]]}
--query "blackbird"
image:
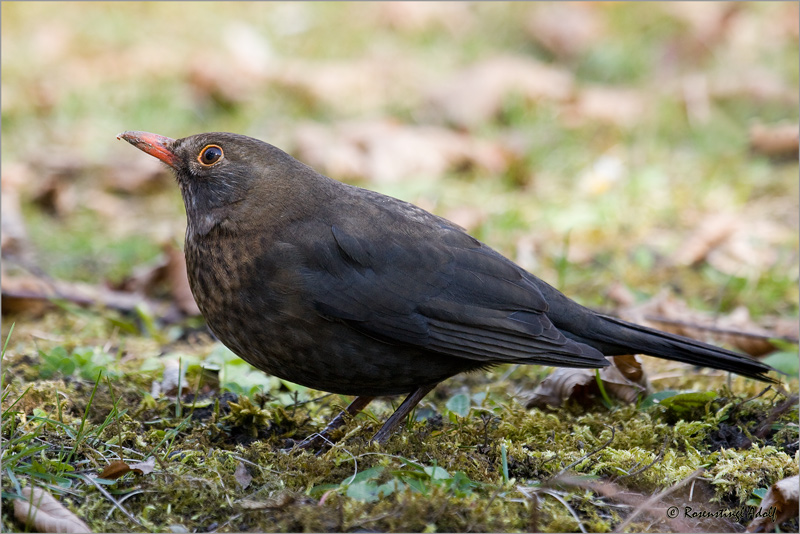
{"points": [[346, 290]]}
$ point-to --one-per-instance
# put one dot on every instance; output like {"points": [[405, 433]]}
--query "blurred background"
{"points": [[641, 157], [620, 151]]}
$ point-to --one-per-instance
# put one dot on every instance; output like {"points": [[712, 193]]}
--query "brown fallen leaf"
{"points": [[736, 245], [168, 274], [174, 375], [242, 475], [455, 17], [352, 86], [707, 235], [41, 512], [115, 470], [754, 83], [280, 501], [134, 176], [696, 98], [736, 329], [13, 236], [119, 468], [57, 196], [477, 94], [780, 504], [566, 29], [776, 141], [386, 152], [624, 380], [144, 468], [752, 249], [655, 506], [708, 24], [621, 295], [178, 280], [620, 106], [31, 294]]}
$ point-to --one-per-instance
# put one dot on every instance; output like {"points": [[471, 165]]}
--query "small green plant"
{"points": [[380, 481], [86, 361]]}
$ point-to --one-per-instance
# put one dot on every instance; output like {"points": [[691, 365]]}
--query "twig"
{"points": [[648, 504], [585, 456], [651, 464], [108, 496], [719, 330]]}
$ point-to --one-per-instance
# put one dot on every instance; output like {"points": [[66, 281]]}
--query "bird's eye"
{"points": [[210, 155]]}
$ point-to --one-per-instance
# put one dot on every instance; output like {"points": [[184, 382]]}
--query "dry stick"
{"points": [[776, 412], [648, 504], [108, 496], [718, 330]]}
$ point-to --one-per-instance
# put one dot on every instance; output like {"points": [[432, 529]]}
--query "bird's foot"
{"points": [[322, 439]]}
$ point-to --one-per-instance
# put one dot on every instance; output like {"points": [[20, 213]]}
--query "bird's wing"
{"points": [[448, 293]]}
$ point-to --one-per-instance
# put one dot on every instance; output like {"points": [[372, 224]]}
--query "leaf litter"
{"points": [[462, 112]]}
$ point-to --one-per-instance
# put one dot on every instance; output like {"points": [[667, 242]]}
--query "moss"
{"points": [[735, 474]]}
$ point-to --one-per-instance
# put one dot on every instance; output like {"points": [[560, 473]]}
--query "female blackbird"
{"points": [[346, 290]]}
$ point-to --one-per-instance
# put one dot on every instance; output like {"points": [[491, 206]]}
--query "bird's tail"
{"points": [[615, 337], [618, 336]]}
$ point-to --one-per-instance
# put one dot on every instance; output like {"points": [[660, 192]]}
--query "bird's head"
{"points": [[220, 174]]}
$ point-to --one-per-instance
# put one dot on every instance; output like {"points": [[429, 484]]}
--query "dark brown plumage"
{"points": [[346, 290]]}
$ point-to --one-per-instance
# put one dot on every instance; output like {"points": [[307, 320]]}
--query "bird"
{"points": [[346, 290]]}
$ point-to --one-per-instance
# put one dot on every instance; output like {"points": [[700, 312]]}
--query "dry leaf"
{"points": [[45, 513], [32, 294], [115, 470], [179, 280], [566, 29], [242, 475], [467, 217], [709, 22], [620, 106], [783, 496], [135, 176], [696, 98], [624, 379], [734, 244], [238, 76], [282, 500], [736, 329], [621, 295], [756, 83], [777, 141], [752, 249], [477, 94], [455, 17], [169, 271], [352, 86], [144, 468], [173, 375], [707, 235], [57, 196], [387, 152], [13, 235]]}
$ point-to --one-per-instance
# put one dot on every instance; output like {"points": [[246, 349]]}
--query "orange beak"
{"points": [[156, 145]]}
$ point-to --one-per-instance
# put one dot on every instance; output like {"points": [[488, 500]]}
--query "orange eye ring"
{"points": [[210, 155]]}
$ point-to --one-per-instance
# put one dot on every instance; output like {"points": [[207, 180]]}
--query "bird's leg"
{"points": [[391, 424], [358, 404]]}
